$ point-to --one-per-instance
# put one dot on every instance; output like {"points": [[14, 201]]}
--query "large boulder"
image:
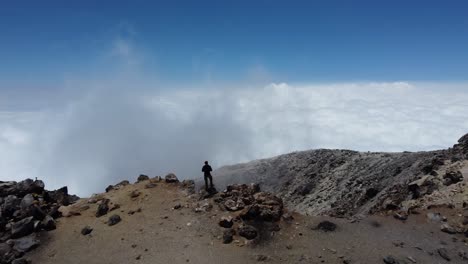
{"points": [[26, 244], [27, 201], [61, 196], [10, 205], [23, 227]]}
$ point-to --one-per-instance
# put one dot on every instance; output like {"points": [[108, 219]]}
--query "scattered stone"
{"points": [[448, 229], [228, 235], [403, 216], [142, 177], [411, 259], [247, 231], [135, 194], [86, 230], [226, 222], [390, 260], [103, 208], [443, 253], [189, 185], [434, 217], [326, 226], [261, 258], [113, 220], [138, 257], [131, 212], [177, 206], [150, 185], [171, 178], [287, 217]]}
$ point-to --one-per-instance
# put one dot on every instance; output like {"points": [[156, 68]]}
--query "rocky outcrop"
{"points": [[26, 207], [345, 183]]}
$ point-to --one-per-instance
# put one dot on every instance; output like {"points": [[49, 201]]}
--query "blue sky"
{"points": [[43, 42], [95, 92]]}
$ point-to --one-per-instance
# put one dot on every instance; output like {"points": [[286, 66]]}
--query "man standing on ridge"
{"points": [[207, 175]]}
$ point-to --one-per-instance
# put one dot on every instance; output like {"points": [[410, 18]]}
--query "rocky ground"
{"points": [[346, 183], [324, 206]]}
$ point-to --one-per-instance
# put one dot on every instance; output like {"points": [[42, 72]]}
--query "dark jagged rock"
{"points": [[48, 223], [103, 208], [26, 243], [390, 260], [86, 230], [171, 178], [61, 196], [226, 222], [23, 227], [453, 177], [448, 229], [21, 261], [444, 253], [326, 226], [142, 177], [109, 188], [26, 207], [228, 235], [247, 231], [113, 220], [255, 205]]}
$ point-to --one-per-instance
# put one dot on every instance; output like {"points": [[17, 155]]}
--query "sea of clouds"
{"points": [[106, 134], [99, 129]]}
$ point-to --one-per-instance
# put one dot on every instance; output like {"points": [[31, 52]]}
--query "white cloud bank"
{"points": [[106, 134]]}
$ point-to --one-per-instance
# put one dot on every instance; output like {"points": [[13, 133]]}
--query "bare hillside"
{"points": [[346, 183]]}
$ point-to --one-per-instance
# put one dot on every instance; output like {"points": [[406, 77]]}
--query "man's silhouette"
{"points": [[207, 175]]}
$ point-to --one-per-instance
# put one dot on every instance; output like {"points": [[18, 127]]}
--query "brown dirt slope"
{"points": [[161, 234]]}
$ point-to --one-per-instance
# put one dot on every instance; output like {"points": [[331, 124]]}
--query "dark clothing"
{"points": [[207, 175], [207, 169]]}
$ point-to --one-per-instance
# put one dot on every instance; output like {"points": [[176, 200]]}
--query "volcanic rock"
{"points": [[26, 243], [142, 177], [326, 226], [86, 230], [23, 227], [448, 229], [228, 235], [248, 231], [171, 178], [444, 253], [103, 208], [48, 223], [452, 177], [113, 220], [226, 222]]}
